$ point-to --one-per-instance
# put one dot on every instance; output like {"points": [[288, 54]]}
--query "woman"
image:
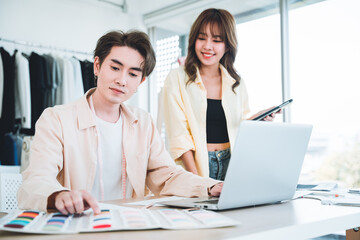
{"points": [[205, 101]]}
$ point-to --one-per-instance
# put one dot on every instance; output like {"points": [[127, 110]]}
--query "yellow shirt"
{"points": [[184, 113]]}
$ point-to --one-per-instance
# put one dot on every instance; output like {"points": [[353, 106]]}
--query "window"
{"points": [[325, 83], [167, 54], [259, 61]]}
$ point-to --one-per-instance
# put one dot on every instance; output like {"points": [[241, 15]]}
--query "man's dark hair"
{"points": [[134, 39]]}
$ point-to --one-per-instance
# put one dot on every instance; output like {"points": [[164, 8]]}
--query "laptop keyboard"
{"points": [[214, 201]]}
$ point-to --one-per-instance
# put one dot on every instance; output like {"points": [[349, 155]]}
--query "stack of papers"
{"points": [[333, 198], [327, 186]]}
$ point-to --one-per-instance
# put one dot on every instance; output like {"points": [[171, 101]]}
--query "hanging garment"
{"points": [[1, 84], [87, 72], [10, 153], [37, 68], [52, 80], [57, 75], [22, 90], [8, 102], [78, 87], [59, 80], [66, 87]]}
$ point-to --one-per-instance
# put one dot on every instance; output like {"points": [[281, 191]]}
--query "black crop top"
{"points": [[216, 129]]}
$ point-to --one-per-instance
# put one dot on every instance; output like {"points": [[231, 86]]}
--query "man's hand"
{"points": [[216, 189], [77, 201]]}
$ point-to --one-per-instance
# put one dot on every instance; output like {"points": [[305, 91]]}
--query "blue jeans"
{"points": [[218, 163]]}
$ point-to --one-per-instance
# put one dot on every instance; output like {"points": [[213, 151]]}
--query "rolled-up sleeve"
{"points": [[176, 121]]}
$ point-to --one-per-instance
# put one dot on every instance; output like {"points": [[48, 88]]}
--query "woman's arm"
{"points": [[176, 121], [189, 162], [165, 178]]}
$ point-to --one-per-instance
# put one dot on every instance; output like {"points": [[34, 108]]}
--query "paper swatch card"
{"points": [[37, 222], [116, 219], [189, 219]]}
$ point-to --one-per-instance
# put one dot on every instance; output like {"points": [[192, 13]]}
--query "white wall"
{"points": [[70, 24]]}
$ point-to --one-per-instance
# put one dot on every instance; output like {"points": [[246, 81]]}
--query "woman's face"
{"points": [[210, 48]]}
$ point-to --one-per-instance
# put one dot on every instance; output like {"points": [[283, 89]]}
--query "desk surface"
{"points": [[297, 219]]}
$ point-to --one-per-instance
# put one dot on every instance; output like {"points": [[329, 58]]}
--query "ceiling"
{"points": [[177, 16]]}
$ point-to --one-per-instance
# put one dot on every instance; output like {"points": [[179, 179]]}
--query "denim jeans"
{"points": [[218, 163]]}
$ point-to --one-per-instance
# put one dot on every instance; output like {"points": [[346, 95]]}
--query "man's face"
{"points": [[119, 75]]}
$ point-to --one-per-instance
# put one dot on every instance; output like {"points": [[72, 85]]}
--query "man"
{"points": [[99, 149]]}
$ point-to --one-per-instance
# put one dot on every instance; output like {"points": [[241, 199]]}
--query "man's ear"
{"points": [[96, 65]]}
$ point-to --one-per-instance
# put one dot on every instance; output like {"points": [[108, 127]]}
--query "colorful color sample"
{"points": [[176, 218], [102, 220], [56, 222], [23, 219], [207, 217], [134, 219]]}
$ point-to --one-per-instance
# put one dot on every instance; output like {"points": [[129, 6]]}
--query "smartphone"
{"points": [[275, 109]]}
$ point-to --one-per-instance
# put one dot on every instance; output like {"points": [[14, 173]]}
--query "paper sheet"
{"points": [[112, 218], [155, 202]]}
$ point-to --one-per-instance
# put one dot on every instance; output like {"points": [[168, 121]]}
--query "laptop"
{"points": [[264, 167]]}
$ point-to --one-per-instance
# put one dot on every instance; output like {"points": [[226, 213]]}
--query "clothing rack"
{"points": [[44, 46]]}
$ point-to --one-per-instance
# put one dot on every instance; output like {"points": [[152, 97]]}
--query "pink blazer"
{"points": [[64, 156]]}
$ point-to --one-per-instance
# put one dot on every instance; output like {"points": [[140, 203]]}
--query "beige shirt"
{"points": [[64, 156], [184, 113]]}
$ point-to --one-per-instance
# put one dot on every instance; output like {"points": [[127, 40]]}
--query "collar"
{"points": [[198, 79], [86, 119], [225, 76]]}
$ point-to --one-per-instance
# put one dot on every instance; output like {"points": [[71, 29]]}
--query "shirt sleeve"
{"points": [[165, 178], [46, 161], [174, 115]]}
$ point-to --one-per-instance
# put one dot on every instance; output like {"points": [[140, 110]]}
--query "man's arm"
{"points": [[46, 161]]}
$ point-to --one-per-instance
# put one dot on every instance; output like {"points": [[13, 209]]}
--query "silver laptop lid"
{"points": [[265, 164]]}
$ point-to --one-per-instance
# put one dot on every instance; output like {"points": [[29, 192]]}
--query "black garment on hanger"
{"points": [[10, 150], [87, 72], [7, 120], [37, 67], [50, 80]]}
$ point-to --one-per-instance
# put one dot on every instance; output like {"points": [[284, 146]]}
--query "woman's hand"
{"points": [[269, 118]]}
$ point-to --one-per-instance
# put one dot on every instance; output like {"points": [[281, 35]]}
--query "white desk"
{"points": [[298, 219]]}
